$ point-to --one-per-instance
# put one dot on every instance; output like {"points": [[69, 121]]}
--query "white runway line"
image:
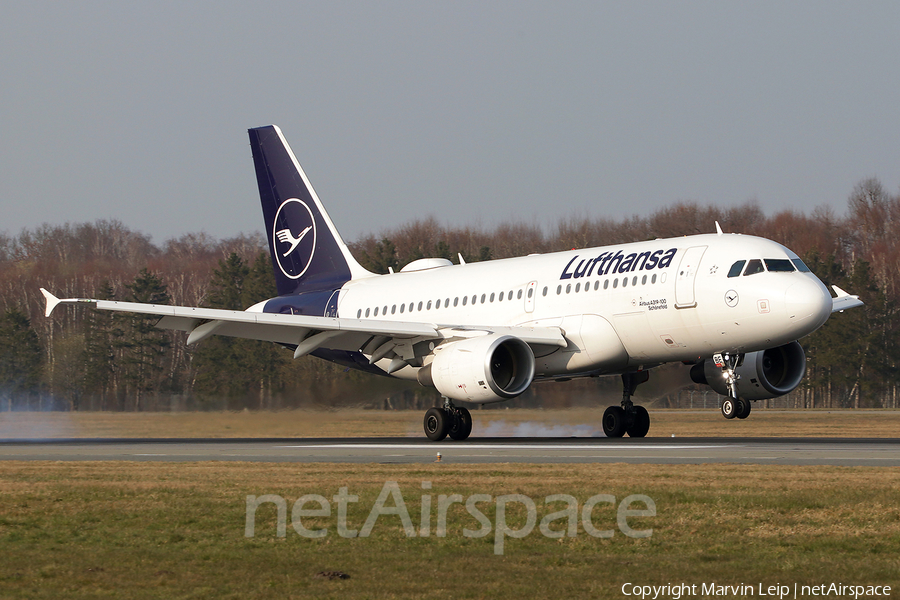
{"points": [[581, 447]]}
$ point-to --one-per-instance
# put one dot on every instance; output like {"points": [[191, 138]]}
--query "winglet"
{"points": [[52, 302], [843, 301], [718, 229]]}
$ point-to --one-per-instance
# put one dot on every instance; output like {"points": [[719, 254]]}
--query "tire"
{"points": [[641, 424], [744, 409], [461, 426], [437, 424], [729, 407], [614, 422]]}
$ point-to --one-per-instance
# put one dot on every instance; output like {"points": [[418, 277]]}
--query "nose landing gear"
{"points": [[733, 406]]}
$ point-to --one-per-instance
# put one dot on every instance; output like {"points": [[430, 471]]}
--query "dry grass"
{"points": [[159, 530], [491, 422]]}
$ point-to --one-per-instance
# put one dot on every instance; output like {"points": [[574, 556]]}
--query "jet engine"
{"points": [[763, 374], [489, 368]]}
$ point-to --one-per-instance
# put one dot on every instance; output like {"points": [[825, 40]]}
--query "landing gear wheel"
{"points": [[730, 407], [641, 424], [461, 426], [744, 409], [437, 424], [614, 422]]}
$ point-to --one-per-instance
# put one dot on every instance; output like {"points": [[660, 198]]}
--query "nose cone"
{"points": [[808, 304]]}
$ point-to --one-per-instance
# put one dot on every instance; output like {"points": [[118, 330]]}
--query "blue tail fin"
{"points": [[307, 251]]}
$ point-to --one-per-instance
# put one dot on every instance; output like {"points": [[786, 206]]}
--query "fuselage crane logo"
{"points": [[294, 237]]}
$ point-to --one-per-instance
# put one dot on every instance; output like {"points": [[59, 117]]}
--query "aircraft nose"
{"points": [[808, 303]]}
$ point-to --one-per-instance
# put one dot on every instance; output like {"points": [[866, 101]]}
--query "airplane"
{"points": [[731, 306]]}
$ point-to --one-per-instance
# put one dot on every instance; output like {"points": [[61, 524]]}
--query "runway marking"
{"points": [[502, 447]]}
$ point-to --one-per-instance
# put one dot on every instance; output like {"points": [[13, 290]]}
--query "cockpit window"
{"points": [[801, 266], [753, 267], [736, 268], [779, 265]]}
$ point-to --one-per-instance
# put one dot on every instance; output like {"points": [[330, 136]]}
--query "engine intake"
{"points": [[490, 368], [763, 374]]}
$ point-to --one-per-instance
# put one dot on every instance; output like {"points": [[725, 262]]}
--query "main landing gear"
{"points": [[447, 420], [732, 406], [628, 418]]}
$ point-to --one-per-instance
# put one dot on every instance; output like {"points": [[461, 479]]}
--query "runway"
{"points": [[777, 451]]}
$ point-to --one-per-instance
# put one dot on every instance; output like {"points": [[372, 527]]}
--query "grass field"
{"points": [[165, 530], [162, 530], [496, 422]]}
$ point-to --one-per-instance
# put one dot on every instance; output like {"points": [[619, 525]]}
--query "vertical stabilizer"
{"points": [[307, 251]]}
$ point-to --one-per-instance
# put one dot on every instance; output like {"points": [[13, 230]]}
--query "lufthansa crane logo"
{"points": [[294, 237]]}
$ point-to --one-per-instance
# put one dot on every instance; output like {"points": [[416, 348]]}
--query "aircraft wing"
{"points": [[843, 301], [306, 332]]}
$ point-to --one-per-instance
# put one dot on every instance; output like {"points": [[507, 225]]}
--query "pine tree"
{"points": [[21, 358], [100, 329], [143, 345]]}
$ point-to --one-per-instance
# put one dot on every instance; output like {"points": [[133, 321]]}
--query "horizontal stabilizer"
{"points": [[843, 301]]}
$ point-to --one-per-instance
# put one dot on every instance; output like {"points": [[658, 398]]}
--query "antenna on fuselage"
{"points": [[718, 229]]}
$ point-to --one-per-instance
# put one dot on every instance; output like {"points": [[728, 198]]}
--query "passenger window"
{"points": [[359, 313], [428, 306], [545, 291], [483, 296], [736, 268], [402, 306], [384, 310], [653, 279], [519, 295], [615, 283], [558, 290], [420, 305], [465, 300], [492, 296], [411, 306], [474, 298], [753, 267], [367, 313], [568, 288], [456, 302], [446, 302], [801, 266], [509, 296], [624, 282], [376, 311], [644, 280], [577, 287], [596, 285], [634, 280], [779, 265], [606, 284], [530, 292], [394, 309]]}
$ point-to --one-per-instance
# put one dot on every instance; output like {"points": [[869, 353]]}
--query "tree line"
{"points": [[90, 360]]}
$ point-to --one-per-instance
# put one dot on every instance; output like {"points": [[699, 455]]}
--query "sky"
{"points": [[474, 113]]}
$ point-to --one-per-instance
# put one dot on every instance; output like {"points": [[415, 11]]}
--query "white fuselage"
{"points": [[619, 307]]}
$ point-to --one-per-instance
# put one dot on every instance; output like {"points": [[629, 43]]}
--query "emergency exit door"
{"points": [[684, 279]]}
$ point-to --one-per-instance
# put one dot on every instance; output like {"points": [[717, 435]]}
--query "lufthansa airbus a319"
{"points": [[732, 306]]}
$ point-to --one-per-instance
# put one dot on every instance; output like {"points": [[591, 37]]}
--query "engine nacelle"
{"points": [[489, 368], [763, 374]]}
